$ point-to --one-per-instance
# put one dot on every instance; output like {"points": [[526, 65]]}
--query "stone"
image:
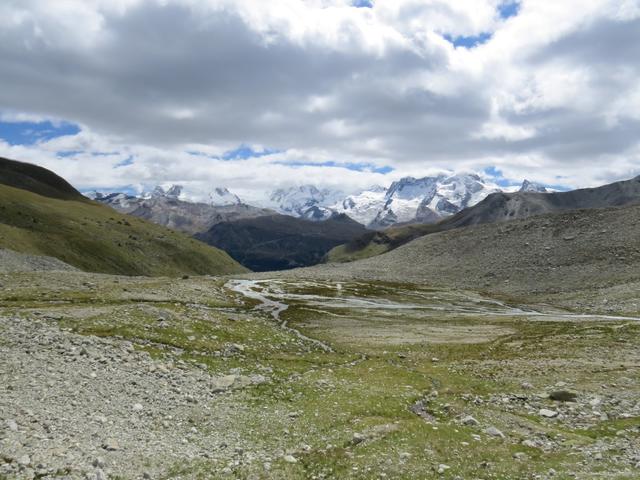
{"points": [[469, 421], [137, 407], [223, 383], [494, 432], [111, 445], [443, 468], [563, 396], [12, 425], [24, 461], [290, 459], [545, 412], [594, 402], [358, 438]]}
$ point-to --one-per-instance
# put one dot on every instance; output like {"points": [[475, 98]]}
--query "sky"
{"points": [[256, 95]]}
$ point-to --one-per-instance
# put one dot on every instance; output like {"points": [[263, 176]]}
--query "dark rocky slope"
{"points": [[279, 242]]}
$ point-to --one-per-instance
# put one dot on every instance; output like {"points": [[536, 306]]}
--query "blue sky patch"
{"points": [[125, 163], [468, 42], [498, 178], [362, 3], [30, 133], [509, 9], [244, 152], [68, 153]]}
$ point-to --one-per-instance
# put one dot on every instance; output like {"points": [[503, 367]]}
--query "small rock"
{"points": [[12, 425], [358, 438], [545, 412], [111, 444], [24, 460], [223, 383], [137, 407], [594, 402], [470, 421], [290, 459], [494, 432], [443, 468], [563, 396]]}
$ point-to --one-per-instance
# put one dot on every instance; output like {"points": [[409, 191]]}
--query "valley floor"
{"points": [[120, 377]]}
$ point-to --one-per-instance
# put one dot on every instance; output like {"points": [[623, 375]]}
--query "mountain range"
{"points": [[165, 207], [42, 214], [305, 223], [408, 200]]}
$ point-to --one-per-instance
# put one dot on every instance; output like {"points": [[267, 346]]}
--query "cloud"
{"points": [[320, 85]]}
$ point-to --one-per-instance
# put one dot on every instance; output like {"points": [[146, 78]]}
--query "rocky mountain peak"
{"points": [[223, 197], [528, 186]]}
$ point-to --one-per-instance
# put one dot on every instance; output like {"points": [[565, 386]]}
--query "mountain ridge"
{"points": [[496, 208], [59, 222]]}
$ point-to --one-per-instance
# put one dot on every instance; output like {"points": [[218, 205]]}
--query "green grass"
{"points": [[96, 238]]}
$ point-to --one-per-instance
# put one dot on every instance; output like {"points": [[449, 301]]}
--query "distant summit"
{"points": [[528, 186], [305, 201], [168, 206], [429, 199], [222, 196]]}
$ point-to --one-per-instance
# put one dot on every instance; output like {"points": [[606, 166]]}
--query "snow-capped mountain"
{"points": [[120, 201], [169, 206], [221, 197], [428, 199], [172, 191], [363, 207], [305, 201], [417, 200], [528, 186], [408, 200]]}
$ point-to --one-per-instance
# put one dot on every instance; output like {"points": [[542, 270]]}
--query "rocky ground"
{"points": [[120, 377], [11, 261], [587, 251]]}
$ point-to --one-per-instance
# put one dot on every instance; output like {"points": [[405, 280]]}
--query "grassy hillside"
{"points": [[33, 178], [95, 238]]}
